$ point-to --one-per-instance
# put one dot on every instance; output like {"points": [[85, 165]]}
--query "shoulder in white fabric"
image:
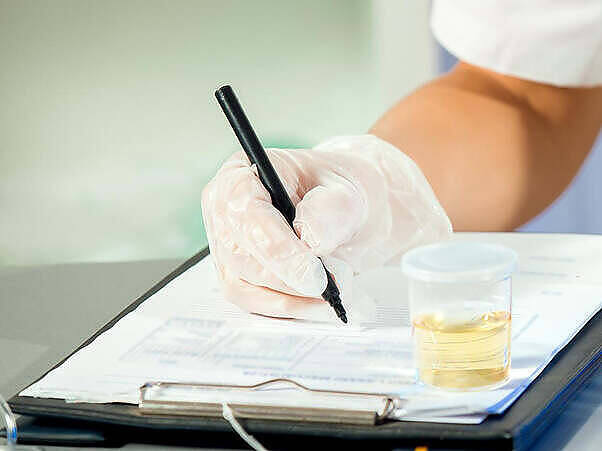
{"points": [[558, 42]]}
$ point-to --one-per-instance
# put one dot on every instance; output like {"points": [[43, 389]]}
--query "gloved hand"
{"points": [[360, 203]]}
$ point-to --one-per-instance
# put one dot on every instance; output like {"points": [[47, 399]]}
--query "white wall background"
{"points": [[108, 128]]}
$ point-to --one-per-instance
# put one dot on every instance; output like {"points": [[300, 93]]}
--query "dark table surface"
{"points": [[47, 311]]}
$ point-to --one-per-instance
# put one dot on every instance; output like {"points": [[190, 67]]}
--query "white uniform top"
{"points": [[558, 42]]}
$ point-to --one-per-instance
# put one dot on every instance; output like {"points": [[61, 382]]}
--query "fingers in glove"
{"points": [[247, 268], [248, 217], [265, 301], [329, 215]]}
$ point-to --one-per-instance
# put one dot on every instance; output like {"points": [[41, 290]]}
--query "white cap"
{"points": [[459, 261]]}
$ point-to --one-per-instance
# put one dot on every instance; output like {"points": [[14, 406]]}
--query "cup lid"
{"points": [[459, 261]]}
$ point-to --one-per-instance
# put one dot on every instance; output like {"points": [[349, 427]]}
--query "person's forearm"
{"points": [[497, 150]]}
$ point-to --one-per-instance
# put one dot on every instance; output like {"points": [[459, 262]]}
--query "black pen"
{"points": [[269, 178]]}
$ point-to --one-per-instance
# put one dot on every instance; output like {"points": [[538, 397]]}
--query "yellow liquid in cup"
{"points": [[462, 355]]}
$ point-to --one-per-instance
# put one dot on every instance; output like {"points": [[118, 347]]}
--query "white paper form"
{"points": [[187, 333]]}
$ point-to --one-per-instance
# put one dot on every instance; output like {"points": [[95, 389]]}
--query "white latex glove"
{"points": [[360, 203]]}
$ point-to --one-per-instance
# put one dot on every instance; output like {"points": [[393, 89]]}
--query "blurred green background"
{"points": [[109, 129]]}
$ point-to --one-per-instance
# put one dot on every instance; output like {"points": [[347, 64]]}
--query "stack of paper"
{"points": [[187, 333]]}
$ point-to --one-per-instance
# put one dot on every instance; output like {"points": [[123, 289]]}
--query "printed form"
{"points": [[187, 332]]}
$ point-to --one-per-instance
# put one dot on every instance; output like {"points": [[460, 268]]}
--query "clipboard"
{"points": [[517, 429], [264, 401]]}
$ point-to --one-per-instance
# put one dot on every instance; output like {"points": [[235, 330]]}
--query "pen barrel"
{"points": [[255, 152], [269, 178]]}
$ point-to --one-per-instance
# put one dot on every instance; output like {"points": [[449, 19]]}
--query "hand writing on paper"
{"points": [[360, 203]]}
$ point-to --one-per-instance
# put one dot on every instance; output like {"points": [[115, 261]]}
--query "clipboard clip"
{"points": [[274, 399]]}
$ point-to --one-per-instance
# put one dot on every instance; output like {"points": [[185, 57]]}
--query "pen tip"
{"points": [[331, 295], [341, 313]]}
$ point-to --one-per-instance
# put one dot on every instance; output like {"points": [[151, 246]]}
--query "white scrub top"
{"points": [[557, 42]]}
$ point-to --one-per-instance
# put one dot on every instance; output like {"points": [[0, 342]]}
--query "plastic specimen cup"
{"points": [[460, 296]]}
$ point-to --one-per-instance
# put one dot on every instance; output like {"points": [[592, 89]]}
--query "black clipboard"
{"points": [[516, 429]]}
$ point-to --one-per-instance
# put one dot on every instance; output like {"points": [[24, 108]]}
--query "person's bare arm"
{"points": [[496, 149]]}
